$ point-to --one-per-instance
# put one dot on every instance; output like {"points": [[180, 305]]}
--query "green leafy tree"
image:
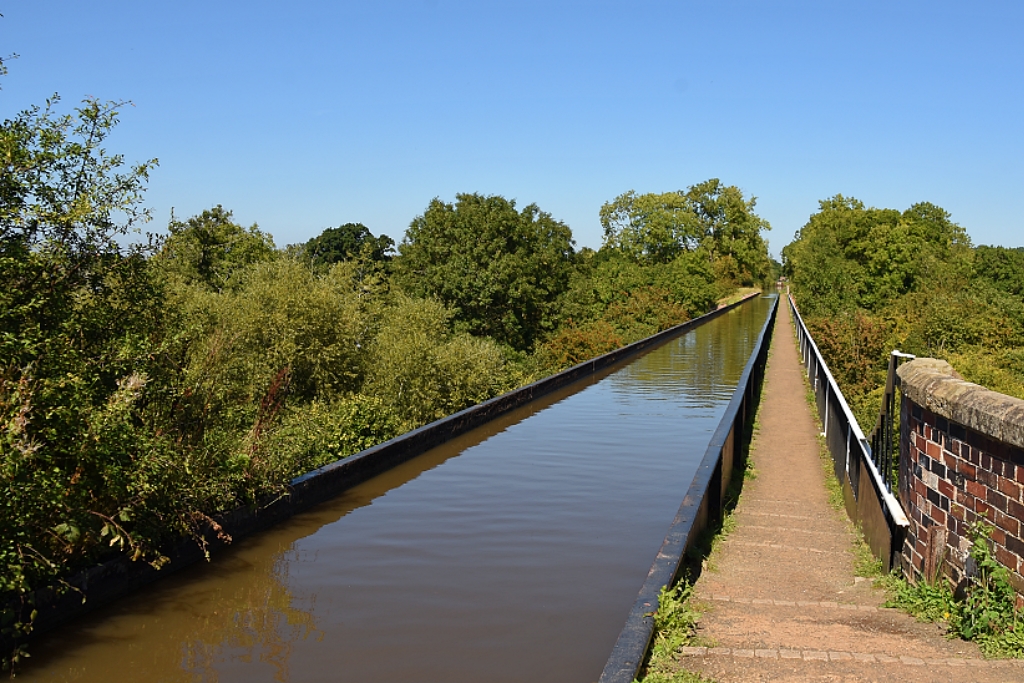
{"points": [[849, 256], [870, 280], [500, 270], [348, 241], [613, 283], [1002, 267], [650, 227], [208, 249], [731, 231], [422, 371], [709, 217]]}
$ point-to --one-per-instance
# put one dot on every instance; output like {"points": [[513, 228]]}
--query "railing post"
{"points": [[824, 421]]}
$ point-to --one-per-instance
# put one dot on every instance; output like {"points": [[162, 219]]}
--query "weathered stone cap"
{"points": [[935, 385]]}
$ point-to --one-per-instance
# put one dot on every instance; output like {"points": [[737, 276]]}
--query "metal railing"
{"points": [[882, 441], [873, 503]]}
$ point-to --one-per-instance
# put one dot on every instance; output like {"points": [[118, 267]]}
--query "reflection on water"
{"points": [[699, 364], [511, 553], [264, 623]]}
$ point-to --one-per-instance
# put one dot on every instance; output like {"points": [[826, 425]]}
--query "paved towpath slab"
{"points": [[783, 601]]}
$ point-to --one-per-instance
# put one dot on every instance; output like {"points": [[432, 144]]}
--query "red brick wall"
{"points": [[950, 476]]}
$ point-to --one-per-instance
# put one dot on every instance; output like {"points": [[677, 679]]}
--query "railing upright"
{"points": [[882, 436]]}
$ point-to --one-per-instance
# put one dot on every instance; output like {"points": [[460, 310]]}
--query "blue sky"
{"points": [[304, 115]]}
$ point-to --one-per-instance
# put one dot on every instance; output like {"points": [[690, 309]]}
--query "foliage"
{"points": [[928, 602], [500, 270], [997, 369], [610, 285], [281, 315], [210, 248], [650, 227], [674, 625], [77, 314], [645, 311], [422, 371], [315, 434], [987, 614], [848, 256], [575, 344], [1002, 267], [873, 280], [347, 242], [708, 217], [139, 396], [731, 231]]}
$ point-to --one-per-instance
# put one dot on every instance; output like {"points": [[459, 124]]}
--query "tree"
{"points": [[709, 217], [500, 270], [849, 256], [207, 249], [730, 231], [348, 241], [1001, 266], [650, 227]]}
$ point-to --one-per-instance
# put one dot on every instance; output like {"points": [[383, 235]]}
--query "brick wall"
{"points": [[951, 475]]}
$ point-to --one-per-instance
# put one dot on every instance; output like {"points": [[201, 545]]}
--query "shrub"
{"points": [[422, 371]]}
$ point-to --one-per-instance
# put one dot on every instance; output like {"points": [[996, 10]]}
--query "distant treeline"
{"points": [[872, 280], [144, 388]]}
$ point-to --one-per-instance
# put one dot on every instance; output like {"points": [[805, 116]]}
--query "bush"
{"points": [[318, 433], [422, 371], [573, 345]]}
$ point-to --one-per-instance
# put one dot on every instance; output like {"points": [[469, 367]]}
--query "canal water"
{"points": [[512, 553]]}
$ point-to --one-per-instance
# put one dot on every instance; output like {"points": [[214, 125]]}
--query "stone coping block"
{"points": [[934, 384]]}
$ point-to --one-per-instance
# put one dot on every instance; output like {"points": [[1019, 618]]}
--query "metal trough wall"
{"points": [[113, 579], [868, 502], [702, 506]]}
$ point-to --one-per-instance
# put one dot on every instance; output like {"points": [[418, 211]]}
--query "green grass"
{"points": [[923, 601], [674, 627]]}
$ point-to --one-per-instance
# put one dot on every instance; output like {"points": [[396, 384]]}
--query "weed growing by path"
{"points": [[674, 627], [987, 615], [926, 602]]}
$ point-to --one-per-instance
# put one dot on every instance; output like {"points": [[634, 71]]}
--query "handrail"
{"points": [[856, 443]]}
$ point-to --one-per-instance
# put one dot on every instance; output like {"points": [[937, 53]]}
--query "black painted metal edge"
{"points": [[695, 512], [118, 577]]}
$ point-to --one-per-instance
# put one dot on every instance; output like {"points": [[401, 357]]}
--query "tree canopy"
{"points": [[500, 270], [849, 255], [709, 217], [871, 280], [207, 249], [348, 241], [650, 227]]}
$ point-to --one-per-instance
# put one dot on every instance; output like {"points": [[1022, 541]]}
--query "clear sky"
{"points": [[308, 114]]}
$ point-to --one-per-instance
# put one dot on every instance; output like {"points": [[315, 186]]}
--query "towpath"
{"points": [[783, 600]]}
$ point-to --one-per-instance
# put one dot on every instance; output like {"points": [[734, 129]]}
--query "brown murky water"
{"points": [[512, 553]]}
